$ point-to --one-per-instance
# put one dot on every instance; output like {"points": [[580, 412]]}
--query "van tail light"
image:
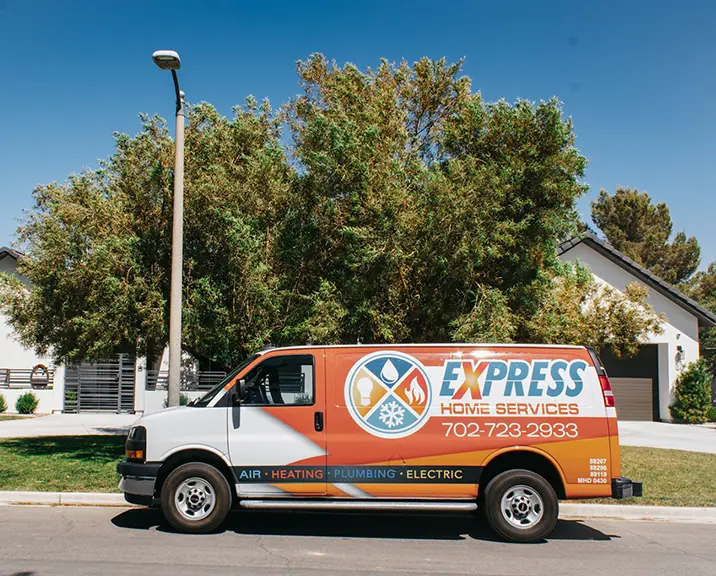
{"points": [[603, 379], [607, 391]]}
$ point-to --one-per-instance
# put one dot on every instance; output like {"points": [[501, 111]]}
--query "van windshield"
{"points": [[204, 400]]}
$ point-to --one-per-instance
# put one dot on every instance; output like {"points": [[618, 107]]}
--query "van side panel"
{"points": [[422, 422]]}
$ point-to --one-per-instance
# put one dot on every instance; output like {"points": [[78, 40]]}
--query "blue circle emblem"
{"points": [[388, 394]]}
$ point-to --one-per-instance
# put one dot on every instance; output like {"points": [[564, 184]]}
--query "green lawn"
{"points": [[87, 464], [61, 463], [670, 477], [4, 417]]}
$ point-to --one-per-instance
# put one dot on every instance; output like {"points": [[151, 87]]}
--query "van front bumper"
{"points": [[625, 488], [138, 480]]}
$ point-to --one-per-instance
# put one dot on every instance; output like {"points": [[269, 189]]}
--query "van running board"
{"points": [[291, 504]]}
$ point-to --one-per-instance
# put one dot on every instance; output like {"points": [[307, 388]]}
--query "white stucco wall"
{"points": [[680, 328], [44, 396], [13, 354]]}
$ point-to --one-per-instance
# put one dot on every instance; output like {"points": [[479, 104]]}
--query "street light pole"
{"points": [[169, 60]]}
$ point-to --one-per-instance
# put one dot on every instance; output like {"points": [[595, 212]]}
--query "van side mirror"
{"points": [[238, 392]]}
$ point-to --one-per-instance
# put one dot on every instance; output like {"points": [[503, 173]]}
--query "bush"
{"points": [[3, 404], [711, 414], [183, 400], [692, 395], [27, 403]]}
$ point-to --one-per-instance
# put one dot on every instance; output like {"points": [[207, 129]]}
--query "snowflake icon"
{"points": [[391, 414]]}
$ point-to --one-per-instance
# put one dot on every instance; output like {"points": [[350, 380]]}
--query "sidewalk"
{"points": [[68, 425]]}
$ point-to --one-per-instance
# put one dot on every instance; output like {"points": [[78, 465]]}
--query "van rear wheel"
{"points": [[195, 498], [521, 506]]}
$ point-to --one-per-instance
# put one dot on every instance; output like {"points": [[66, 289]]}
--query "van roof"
{"points": [[424, 345]]}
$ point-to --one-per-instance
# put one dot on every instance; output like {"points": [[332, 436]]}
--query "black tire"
{"points": [[215, 485], [526, 490]]}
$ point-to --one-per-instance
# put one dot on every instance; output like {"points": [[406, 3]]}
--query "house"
{"points": [[644, 385]]}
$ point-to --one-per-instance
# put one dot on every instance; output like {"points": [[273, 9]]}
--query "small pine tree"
{"points": [[692, 395], [27, 403], [3, 404]]}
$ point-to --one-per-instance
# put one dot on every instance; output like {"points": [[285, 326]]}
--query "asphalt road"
{"points": [[115, 541]]}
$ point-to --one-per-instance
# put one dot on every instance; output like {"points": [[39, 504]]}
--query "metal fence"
{"points": [[26, 377], [201, 380], [106, 386]]}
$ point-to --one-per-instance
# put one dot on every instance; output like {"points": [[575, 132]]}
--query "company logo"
{"points": [[388, 394], [467, 380]]}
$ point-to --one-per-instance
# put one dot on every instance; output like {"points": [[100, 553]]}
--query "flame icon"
{"points": [[415, 393]]}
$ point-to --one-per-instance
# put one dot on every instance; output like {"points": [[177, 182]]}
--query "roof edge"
{"points": [[707, 319], [6, 251]]}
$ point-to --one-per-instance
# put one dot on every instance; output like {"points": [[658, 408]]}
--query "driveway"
{"points": [[67, 425], [663, 435]]}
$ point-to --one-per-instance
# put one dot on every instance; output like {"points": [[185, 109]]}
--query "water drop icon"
{"points": [[389, 373]]}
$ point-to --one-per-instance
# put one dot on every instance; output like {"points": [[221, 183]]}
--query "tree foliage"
{"points": [[641, 230], [403, 208], [579, 310], [702, 288]]}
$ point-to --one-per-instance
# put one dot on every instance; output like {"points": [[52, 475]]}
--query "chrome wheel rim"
{"points": [[195, 499], [522, 506]]}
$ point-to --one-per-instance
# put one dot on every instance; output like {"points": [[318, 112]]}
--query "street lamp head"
{"points": [[167, 59]]}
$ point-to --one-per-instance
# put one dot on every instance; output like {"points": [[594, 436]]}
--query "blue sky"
{"points": [[638, 80]]}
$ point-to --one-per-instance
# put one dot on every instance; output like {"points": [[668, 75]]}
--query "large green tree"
{"points": [[403, 208], [98, 246], [641, 230], [426, 204]]}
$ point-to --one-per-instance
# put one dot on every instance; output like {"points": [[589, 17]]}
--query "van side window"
{"points": [[281, 381]]}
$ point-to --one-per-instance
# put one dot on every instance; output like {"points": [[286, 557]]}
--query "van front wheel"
{"points": [[195, 498], [521, 506]]}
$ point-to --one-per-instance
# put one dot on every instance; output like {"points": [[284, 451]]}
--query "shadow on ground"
{"points": [[93, 448], [356, 525]]}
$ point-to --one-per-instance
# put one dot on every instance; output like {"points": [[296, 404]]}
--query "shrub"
{"points": [[3, 404], [27, 403], [711, 414], [692, 395], [183, 400]]}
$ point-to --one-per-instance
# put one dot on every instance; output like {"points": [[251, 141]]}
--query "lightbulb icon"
{"points": [[365, 387]]}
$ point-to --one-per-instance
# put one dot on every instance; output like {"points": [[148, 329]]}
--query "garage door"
{"points": [[633, 397]]}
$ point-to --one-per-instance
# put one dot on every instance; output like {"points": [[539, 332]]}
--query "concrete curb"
{"points": [[63, 498], [566, 510], [626, 512]]}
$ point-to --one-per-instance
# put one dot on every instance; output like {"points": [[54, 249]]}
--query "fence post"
{"points": [[58, 389]]}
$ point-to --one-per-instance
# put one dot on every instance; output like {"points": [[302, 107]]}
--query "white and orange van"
{"points": [[509, 429]]}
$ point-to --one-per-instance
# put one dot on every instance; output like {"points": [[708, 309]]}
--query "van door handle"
{"points": [[318, 421]]}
